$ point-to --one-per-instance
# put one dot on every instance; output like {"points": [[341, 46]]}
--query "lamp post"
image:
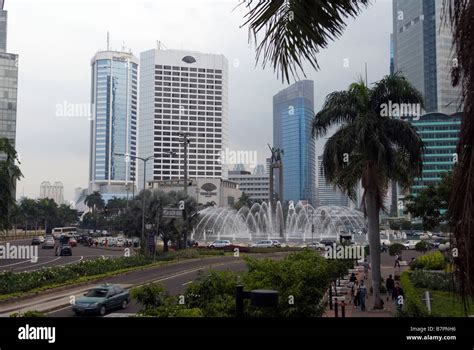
{"points": [[144, 160], [185, 140], [312, 226]]}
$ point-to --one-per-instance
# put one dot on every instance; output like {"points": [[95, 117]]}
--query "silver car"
{"points": [[263, 244], [219, 244]]}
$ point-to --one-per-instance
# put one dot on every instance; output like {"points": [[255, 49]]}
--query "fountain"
{"points": [[295, 223]]}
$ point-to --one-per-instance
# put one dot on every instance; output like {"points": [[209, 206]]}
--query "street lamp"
{"points": [[144, 160]]}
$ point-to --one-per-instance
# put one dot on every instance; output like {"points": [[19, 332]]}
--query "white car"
{"points": [[219, 244], [263, 244], [120, 242], [41, 238], [410, 244], [316, 245]]}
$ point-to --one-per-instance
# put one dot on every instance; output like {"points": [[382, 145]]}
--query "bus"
{"points": [[61, 231]]}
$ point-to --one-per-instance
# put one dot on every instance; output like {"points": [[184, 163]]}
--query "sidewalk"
{"points": [[345, 295]]}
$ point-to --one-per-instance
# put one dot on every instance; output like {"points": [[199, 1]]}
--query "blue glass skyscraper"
{"points": [[293, 113], [114, 122]]}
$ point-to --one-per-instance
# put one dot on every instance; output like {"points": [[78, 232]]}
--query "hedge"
{"points": [[413, 305]]}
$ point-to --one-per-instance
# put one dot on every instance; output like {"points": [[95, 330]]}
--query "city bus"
{"points": [[60, 231]]}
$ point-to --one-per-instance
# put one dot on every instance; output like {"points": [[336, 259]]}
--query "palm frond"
{"points": [[339, 107], [394, 89], [295, 30]]}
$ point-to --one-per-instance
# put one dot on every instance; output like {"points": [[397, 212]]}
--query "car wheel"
{"points": [[102, 310], [124, 304]]}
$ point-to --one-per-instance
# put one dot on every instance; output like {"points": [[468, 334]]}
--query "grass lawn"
{"points": [[446, 304]]}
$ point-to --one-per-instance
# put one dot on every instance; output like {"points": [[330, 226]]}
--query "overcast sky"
{"points": [[57, 39]]}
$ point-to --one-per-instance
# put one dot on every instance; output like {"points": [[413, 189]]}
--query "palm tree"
{"points": [[295, 30], [370, 148], [94, 201], [460, 13], [10, 173]]}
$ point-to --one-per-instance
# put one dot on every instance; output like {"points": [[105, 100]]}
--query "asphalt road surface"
{"points": [[46, 257], [175, 280]]}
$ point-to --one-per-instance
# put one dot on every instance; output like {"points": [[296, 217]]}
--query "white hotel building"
{"points": [[182, 91]]}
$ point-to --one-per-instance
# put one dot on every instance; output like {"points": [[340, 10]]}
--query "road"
{"points": [[175, 277], [175, 285], [46, 257]]}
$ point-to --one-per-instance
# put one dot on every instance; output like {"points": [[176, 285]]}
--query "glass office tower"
{"points": [[440, 133], [114, 122], [8, 84], [293, 113], [422, 52]]}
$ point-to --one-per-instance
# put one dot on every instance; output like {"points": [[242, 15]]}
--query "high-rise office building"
{"points": [[422, 52], [256, 186], [440, 134], [327, 195], [8, 83], [183, 92], [114, 123], [293, 113], [54, 191]]}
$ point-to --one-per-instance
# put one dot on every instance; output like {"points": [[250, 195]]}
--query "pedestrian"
{"points": [[398, 296], [366, 268], [362, 294], [397, 261], [353, 278], [390, 285], [384, 247], [355, 293]]}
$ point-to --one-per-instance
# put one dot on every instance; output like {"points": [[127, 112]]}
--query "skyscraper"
{"points": [[114, 122], [55, 191], [440, 134], [8, 83], [327, 195], [293, 113], [183, 91], [422, 52]]}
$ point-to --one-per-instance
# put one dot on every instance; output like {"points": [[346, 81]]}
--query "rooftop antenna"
{"points": [[108, 41]]}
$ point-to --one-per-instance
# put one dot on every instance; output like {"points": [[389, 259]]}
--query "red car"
{"points": [[72, 242]]}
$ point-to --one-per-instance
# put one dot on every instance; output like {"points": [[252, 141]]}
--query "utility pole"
{"points": [[185, 140]]}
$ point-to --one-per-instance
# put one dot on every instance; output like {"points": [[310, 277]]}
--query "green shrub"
{"points": [[431, 261], [29, 314], [395, 248], [422, 246], [213, 293], [413, 305], [151, 296], [26, 281], [432, 280]]}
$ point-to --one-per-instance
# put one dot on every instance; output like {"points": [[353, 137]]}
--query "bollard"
{"points": [[343, 309], [336, 311]]}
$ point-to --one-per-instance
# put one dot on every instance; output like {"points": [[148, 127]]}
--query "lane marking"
{"points": [[185, 284], [36, 265]]}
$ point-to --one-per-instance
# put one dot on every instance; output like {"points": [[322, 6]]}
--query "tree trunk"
{"points": [[165, 246], [374, 244]]}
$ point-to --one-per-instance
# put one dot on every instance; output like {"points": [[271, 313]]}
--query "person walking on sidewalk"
{"points": [[355, 294], [398, 295], [390, 286], [366, 268], [397, 261], [362, 294]]}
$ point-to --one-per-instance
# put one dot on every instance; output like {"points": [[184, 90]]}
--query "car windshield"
{"points": [[97, 293]]}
